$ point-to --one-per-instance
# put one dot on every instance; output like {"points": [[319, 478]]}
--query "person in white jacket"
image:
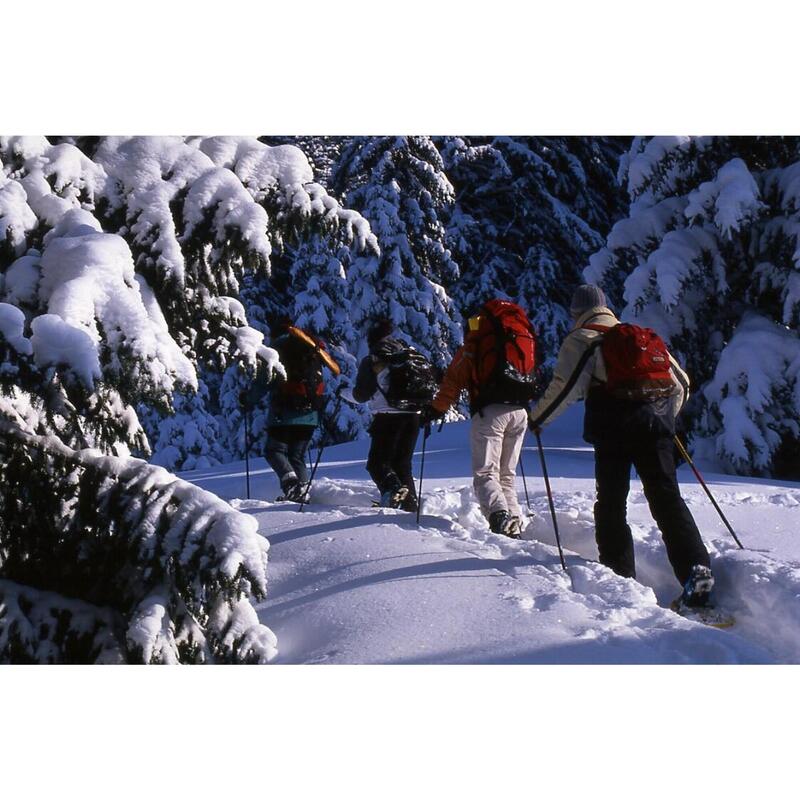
{"points": [[394, 431], [626, 433]]}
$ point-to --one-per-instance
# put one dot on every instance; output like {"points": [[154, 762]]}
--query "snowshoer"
{"points": [[634, 390], [397, 381], [295, 404], [496, 365]]}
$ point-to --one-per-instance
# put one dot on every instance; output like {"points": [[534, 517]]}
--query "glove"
{"points": [[536, 430], [429, 414]]}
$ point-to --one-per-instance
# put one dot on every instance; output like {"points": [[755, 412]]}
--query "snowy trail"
{"points": [[353, 584]]}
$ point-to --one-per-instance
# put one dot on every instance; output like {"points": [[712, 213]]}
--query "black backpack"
{"points": [[304, 387], [412, 378]]}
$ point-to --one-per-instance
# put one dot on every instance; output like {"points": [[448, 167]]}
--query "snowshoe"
{"points": [[706, 615]]}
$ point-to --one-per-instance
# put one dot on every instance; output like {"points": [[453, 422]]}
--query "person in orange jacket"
{"points": [[499, 422]]}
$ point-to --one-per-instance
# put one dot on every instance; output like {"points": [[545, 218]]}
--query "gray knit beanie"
{"points": [[586, 297]]}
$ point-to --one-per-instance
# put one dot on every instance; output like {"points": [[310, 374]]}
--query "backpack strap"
{"points": [[569, 383], [598, 328]]}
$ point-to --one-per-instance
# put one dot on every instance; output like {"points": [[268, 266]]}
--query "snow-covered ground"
{"points": [[350, 583]]}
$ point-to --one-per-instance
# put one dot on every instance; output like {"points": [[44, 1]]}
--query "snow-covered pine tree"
{"points": [[528, 213], [203, 216], [398, 184], [322, 152], [97, 335], [710, 257]]}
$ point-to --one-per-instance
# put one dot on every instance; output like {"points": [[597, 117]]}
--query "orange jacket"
{"points": [[459, 376]]}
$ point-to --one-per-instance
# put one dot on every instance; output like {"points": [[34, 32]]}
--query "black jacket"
{"points": [[366, 385]]}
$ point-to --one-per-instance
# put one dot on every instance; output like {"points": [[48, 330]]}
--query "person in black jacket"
{"points": [[394, 431]]}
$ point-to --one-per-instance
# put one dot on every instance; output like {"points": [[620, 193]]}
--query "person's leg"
{"points": [[513, 437], [486, 445], [298, 440], [655, 465], [612, 468], [406, 441], [379, 461], [277, 455]]}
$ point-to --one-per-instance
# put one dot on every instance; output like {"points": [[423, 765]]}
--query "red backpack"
{"points": [[637, 362], [504, 351]]}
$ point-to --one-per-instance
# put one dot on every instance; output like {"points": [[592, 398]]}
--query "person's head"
{"points": [[379, 329], [279, 325], [585, 298]]}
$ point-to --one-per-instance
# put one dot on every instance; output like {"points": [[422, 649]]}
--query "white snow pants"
{"points": [[496, 441]]}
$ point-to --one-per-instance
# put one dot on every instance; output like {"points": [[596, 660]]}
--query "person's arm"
{"points": [[571, 378], [455, 380], [681, 381], [366, 381]]}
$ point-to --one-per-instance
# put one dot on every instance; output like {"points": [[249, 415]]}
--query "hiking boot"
{"points": [[298, 492], [498, 521], [697, 590], [291, 488], [410, 503], [513, 528], [394, 497]]}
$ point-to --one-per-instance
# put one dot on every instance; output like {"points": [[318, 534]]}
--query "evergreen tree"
{"points": [[528, 213], [322, 152], [708, 256], [398, 184], [95, 331]]}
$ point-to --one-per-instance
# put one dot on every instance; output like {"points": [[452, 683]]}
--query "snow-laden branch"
{"points": [[177, 567]]}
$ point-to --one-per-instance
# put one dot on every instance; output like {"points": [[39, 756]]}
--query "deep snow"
{"points": [[349, 583]]}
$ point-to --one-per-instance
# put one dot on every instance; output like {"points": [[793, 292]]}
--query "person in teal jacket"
{"points": [[295, 404]]}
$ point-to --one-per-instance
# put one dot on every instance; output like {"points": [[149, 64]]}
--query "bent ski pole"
{"points": [[685, 454], [322, 445], [426, 433], [550, 499]]}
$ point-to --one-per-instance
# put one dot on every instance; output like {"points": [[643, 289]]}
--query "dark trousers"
{"points": [[655, 464], [394, 437], [286, 451]]}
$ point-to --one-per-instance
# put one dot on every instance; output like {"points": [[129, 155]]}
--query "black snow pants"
{"points": [[286, 452], [654, 460], [394, 437]]}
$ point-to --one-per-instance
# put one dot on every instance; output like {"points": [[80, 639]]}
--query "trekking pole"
{"points": [[524, 482], [247, 448], [550, 499], [425, 435], [322, 445], [685, 454]]}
